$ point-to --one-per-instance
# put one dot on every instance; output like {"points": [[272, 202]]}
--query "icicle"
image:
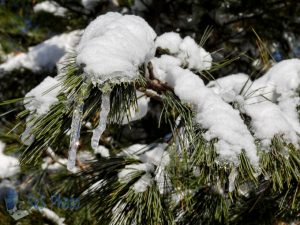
{"points": [[105, 108], [76, 126], [75, 135], [27, 138], [233, 174]]}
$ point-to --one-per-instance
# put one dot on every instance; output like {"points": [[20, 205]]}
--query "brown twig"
{"points": [[154, 84]]}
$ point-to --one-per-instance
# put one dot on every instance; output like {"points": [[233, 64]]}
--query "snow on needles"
{"points": [[216, 116], [192, 56], [40, 98], [9, 165], [50, 7], [140, 111], [169, 41], [271, 101], [113, 47], [43, 56], [153, 161], [274, 109]]}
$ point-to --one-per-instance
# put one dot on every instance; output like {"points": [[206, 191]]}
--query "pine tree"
{"points": [[166, 143]]}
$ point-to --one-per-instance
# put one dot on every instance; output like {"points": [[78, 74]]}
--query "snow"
{"points": [[268, 120], [140, 111], [162, 64], [143, 183], [194, 56], [9, 166], [50, 7], [153, 159], [38, 101], [90, 4], [169, 41], [285, 76], [279, 85], [103, 151], [13, 62], [113, 47], [288, 105], [129, 172], [40, 98], [216, 116], [52, 166], [51, 215], [229, 87], [43, 56], [157, 156], [271, 101], [135, 149]]}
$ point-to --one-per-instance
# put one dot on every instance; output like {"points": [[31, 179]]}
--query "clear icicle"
{"points": [[105, 108], [27, 138], [232, 176], [75, 135]]}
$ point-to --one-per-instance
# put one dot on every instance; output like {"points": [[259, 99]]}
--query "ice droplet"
{"points": [[75, 135], [97, 132]]}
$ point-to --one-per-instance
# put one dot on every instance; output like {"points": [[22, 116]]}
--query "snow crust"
{"points": [[43, 56], [9, 166], [113, 47], [50, 7], [40, 98]]}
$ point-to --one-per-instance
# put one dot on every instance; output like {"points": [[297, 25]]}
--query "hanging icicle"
{"points": [[76, 127], [75, 135], [27, 138], [105, 108]]}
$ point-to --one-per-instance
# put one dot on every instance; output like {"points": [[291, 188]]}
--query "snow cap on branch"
{"points": [[9, 165], [113, 47], [43, 56], [271, 101], [50, 7], [212, 113], [40, 98], [192, 55], [170, 41]]}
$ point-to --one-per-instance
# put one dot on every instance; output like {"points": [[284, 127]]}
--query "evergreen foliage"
{"points": [[197, 187]]}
